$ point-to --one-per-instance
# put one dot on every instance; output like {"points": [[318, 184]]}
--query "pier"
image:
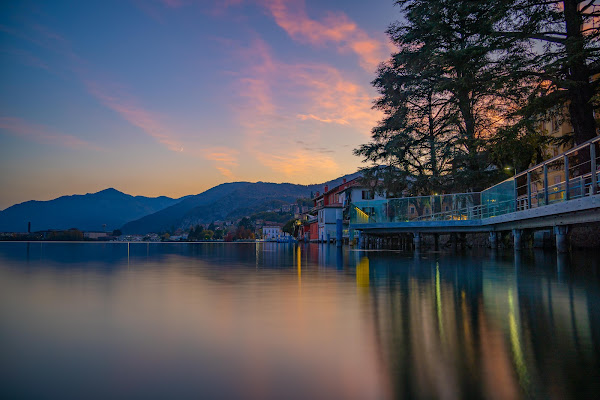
{"points": [[544, 201]]}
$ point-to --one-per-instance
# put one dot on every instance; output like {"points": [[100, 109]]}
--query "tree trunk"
{"points": [[580, 92]]}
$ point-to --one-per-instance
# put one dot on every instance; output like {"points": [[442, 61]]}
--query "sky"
{"points": [[173, 97]]}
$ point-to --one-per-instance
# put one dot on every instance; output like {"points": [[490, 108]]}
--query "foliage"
{"points": [[71, 234], [556, 44], [196, 233], [443, 95], [290, 226], [246, 223], [271, 216], [466, 91], [304, 202]]}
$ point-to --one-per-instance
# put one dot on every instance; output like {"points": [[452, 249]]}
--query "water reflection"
{"points": [[275, 320]]}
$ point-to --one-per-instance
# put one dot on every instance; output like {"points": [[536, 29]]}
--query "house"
{"points": [[271, 232], [334, 204], [96, 235]]}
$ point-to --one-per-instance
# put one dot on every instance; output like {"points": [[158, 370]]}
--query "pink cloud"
{"points": [[127, 108], [21, 128], [335, 28], [274, 97], [318, 92]]}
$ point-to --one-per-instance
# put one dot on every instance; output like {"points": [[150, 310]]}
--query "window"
{"points": [[367, 195], [555, 125], [412, 210]]}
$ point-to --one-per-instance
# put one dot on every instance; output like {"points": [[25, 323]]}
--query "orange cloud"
{"points": [[125, 106], [226, 172], [295, 163], [304, 117], [224, 158], [21, 128], [336, 28]]}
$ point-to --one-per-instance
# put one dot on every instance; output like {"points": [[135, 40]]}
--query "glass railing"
{"points": [[448, 207], [568, 176]]}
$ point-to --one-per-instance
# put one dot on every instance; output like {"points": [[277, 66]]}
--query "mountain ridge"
{"points": [[107, 209], [240, 198], [110, 209]]}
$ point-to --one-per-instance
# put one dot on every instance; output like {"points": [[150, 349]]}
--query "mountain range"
{"points": [[111, 209], [105, 210]]}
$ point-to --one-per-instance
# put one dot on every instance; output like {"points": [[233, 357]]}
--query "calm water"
{"points": [[282, 321]]}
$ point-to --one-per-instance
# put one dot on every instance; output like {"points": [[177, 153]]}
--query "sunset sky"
{"points": [[172, 97]]}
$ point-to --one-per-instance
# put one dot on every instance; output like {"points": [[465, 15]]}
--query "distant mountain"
{"points": [[225, 202], [86, 212]]}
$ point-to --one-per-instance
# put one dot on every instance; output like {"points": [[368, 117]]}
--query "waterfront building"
{"points": [[271, 232], [321, 221]]}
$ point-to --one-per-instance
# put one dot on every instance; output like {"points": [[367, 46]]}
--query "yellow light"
{"points": [[361, 216], [362, 273], [299, 262]]}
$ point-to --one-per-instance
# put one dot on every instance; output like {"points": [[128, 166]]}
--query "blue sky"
{"points": [[172, 97]]}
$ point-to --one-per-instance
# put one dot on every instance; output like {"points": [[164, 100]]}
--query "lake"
{"points": [[289, 321]]}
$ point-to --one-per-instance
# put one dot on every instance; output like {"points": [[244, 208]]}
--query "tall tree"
{"points": [[415, 140], [446, 83], [564, 39]]}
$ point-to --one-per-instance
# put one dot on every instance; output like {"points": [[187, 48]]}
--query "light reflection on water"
{"points": [[278, 321]]}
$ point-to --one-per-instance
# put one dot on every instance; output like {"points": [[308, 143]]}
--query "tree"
{"points": [[444, 94], [415, 139], [246, 223], [117, 232], [289, 226], [563, 38], [196, 234], [211, 227]]}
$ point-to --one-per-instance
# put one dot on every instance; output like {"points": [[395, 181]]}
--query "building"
{"points": [[334, 204], [272, 232], [96, 235]]}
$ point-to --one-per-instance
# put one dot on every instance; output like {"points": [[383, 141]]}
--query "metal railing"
{"points": [[574, 174]]}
